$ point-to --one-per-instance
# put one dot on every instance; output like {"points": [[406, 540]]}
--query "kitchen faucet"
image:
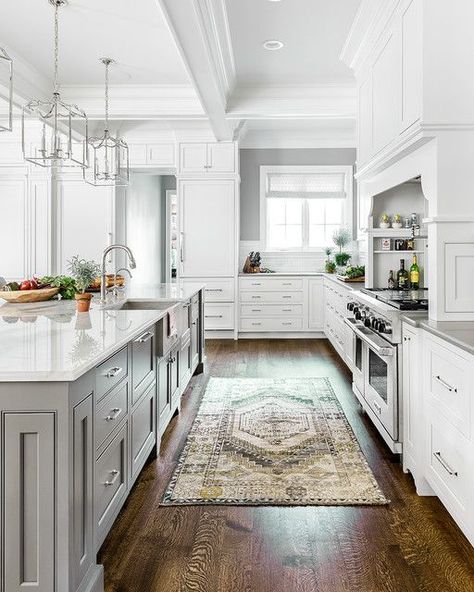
{"points": [[103, 283]]}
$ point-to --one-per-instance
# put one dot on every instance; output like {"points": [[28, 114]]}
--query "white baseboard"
{"points": [[282, 335]]}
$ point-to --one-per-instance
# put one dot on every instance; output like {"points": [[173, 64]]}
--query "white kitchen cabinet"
{"points": [[210, 157], [208, 229], [316, 304], [85, 221], [364, 123], [386, 92], [412, 62], [158, 154], [412, 397], [29, 483]]}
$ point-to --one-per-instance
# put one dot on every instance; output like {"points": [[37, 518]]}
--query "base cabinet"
{"points": [[142, 431]]}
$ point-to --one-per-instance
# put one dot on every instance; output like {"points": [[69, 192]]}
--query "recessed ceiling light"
{"points": [[272, 44]]}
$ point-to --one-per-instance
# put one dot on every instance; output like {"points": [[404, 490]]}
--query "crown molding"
{"points": [[371, 20], [137, 101], [27, 81], [297, 139], [299, 102]]}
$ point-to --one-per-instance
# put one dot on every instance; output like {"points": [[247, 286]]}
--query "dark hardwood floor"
{"points": [[412, 545]]}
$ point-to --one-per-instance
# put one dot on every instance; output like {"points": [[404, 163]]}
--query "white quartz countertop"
{"points": [[49, 341], [282, 273]]}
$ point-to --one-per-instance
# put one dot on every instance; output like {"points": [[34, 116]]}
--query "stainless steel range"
{"points": [[375, 322]]}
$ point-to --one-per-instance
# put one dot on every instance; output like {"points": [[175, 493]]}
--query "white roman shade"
{"points": [[322, 185]]}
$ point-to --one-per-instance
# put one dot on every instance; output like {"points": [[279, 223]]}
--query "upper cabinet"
{"points": [[207, 157], [390, 83], [148, 155]]}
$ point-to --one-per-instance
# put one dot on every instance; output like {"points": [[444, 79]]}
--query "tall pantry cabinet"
{"points": [[208, 191]]}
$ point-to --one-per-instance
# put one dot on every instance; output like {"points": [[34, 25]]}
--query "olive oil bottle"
{"points": [[415, 274], [402, 277]]}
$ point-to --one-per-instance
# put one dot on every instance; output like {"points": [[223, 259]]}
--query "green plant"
{"points": [[330, 266], [84, 272], [328, 252], [384, 218], [397, 218], [342, 259], [65, 283]]}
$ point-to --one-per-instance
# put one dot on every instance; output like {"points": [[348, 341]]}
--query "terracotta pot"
{"points": [[83, 302]]}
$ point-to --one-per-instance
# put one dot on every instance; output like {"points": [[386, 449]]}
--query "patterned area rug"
{"points": [[275, 442]]}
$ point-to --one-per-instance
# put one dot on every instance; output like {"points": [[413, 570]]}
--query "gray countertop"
{"points": [[458, 333]]}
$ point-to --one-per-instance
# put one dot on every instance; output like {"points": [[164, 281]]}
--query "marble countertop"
{"points": [[458, 333], [49, 341], [282, 274]]}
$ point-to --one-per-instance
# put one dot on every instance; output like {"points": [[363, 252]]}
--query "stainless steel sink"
{"points": [[140, 305]]}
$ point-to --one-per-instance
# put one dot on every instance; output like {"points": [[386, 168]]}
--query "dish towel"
{"points": [[172, 327]]}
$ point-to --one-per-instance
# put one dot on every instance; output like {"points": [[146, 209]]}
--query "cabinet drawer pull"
{"points": [[378, 408], [213, 290], [213, 316], [114, 413], [446, 385], [145, 337], [287, 296], [256, 324], [287, 283], [287, 310], [256, 284], [256, 310], [194, 322], [256, 297], [115, 475], [171, 359], [444, 464], [286, 324], [113, 372]]}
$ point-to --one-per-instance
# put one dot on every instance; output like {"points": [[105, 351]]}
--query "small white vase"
{"points": [[384, 224], [396, 224]]}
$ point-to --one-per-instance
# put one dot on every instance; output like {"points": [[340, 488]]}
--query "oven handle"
{"points": [[379, 350]]}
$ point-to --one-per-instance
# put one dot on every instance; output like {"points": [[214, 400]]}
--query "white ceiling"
{"points": [[313, 31], [134, 33]]}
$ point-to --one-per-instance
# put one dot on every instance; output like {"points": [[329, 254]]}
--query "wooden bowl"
{"points": [[25, 296]]}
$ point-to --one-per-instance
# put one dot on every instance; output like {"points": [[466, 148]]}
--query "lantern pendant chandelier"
{"points": [[6, 103], [53, 132], [109, 154]]}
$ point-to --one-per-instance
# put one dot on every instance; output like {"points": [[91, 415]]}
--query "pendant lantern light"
{"points": [[109, 155], [6, 101], [53, 131]]}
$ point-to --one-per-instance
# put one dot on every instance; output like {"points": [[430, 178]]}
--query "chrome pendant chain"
{"points": [[57, 4], [107, 62]]}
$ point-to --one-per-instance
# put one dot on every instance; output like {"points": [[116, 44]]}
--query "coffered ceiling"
{"points": [[312, 32], [195, 61]]}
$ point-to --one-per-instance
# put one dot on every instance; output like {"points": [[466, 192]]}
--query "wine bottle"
{"points": [[391, 280], [402, 276], [415, 274]]}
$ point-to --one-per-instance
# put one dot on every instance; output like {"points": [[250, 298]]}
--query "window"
{"points": [[301, 207]]}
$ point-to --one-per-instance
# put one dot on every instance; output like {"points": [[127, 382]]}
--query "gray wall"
{"points": [[252, 159]]}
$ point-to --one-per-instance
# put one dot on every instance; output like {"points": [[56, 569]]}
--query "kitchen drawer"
{"points": [[271, 310], [448, 388], [449, 464], [272, 297], [111, 478], [108, 415], [265, 284], [271, 324], [218, 316], [184, 320], [110, 373], [143, 362], [219, 290], [142, 429]]}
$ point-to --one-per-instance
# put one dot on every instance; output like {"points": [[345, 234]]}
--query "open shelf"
{"points": [[392, 252]]}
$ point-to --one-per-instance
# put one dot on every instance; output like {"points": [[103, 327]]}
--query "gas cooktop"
{"points": [[401, 299]]}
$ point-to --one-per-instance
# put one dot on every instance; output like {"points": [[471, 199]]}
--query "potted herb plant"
{"points": [[329, 264], [342, 237], [84, 272], [384, 221], [397, 221]]}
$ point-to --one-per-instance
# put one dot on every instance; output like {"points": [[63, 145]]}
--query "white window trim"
{"points": [[348, 172]]}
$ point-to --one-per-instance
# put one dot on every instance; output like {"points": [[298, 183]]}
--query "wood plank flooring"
{"points": [[412, 545]]}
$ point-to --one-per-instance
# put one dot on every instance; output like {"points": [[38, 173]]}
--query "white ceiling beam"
{"points": [[295, 102], [200, 30], [28, 83]]}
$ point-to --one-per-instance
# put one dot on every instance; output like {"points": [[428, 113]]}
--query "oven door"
{"points": [[356, 355], [381, 384]]}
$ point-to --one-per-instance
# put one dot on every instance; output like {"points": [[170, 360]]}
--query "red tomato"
{"points": [[25, 285]]}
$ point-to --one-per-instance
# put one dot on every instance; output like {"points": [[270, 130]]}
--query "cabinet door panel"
{"points": [[412, 49], [84, 221], [143, 363], [221, 157], [193, 158], [29, 484], [365, 121], [14, 228], [161, 155], [208, 228], [82, 488], [137, 154], [386, 93], [315, 304], [163, 394], [143, 431]]}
